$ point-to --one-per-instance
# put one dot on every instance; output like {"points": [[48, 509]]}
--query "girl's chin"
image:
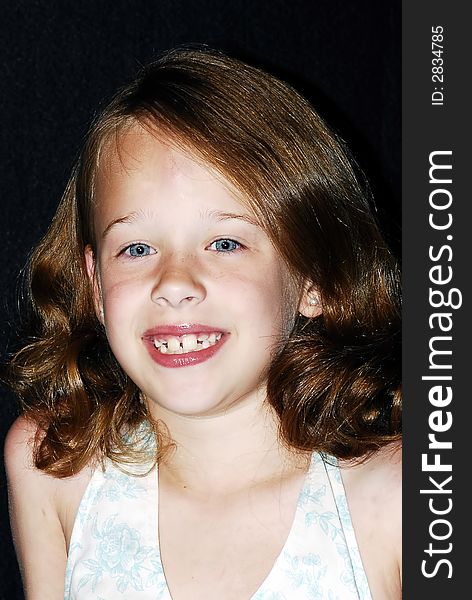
{"points": [[196, 403], [186, 408]]}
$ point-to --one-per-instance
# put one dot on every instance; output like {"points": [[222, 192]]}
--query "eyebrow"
{"points": [[227, 216], [129, 218], [205, 215]]}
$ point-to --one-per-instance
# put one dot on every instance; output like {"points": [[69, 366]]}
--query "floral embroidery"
{"points": [[119, 486], [120, 555]]}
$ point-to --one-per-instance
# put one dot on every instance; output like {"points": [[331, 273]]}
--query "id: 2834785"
{"points": [[437, 65]]}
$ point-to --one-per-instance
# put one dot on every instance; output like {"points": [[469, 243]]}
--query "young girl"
{"points": [[210, 388]]}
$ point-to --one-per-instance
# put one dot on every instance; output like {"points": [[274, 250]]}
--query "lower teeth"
{"points": [[201, 345]]}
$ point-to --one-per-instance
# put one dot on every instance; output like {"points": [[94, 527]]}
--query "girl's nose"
{"points": [[178, 287]]}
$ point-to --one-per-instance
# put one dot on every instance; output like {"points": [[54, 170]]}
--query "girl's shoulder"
{"points": [[19, 462], [382, 468], [58, 494], [19, 440], [42, 510], [374, 493]]}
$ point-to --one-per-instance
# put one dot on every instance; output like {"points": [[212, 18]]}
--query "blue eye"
{"points": [[138, 250], [225, 245]]}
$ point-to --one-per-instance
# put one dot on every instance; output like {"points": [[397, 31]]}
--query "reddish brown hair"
{"points": [[335, 383]]}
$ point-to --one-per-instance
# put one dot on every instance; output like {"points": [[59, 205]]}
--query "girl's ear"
{"points": [[310, 303], [95, 283]]}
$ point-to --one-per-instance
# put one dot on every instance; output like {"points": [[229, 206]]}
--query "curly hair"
{"points": [[335, 383]]}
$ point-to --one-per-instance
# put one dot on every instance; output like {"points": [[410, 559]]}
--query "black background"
{"points": [[61, 60]]}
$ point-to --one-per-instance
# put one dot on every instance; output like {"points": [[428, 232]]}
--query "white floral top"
{"points": [[114, 550]]}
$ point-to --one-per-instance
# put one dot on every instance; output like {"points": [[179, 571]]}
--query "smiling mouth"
{"points": [[186, 343]]}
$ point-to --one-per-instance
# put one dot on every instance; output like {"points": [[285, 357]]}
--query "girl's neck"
{"points": [[227, 452]]}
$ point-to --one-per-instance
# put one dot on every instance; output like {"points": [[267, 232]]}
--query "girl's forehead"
{"points": [[128, 148], [136, 148], [136, 157]]}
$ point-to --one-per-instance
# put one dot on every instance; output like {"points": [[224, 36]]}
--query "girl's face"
{"points": [[193, 296]]}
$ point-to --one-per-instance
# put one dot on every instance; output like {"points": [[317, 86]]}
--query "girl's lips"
{"points": [[182, 359]]}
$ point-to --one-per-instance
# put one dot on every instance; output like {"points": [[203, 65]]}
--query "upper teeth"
{"points": [[186, 343]]}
